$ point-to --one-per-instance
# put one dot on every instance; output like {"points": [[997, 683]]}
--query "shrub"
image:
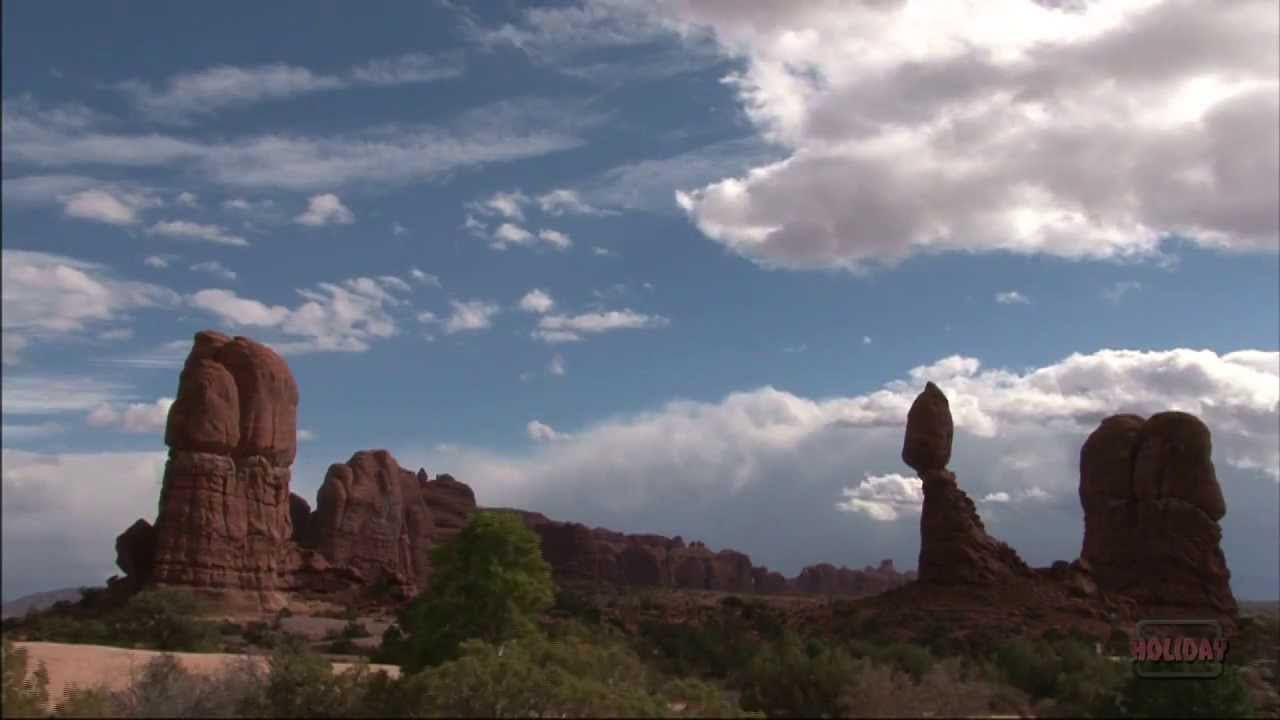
{"points": [[25, 690], [89, 703], [490, 582], [572, 675], [915, 661], [1224, 696], [788, 677]]}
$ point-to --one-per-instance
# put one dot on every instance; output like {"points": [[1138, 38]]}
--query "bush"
{"points": [[1224, 696], [791, 678], [490, 582], [915, 661], [157, 619], [573, 675], [26, 690]]}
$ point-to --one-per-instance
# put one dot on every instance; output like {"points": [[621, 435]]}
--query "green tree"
{"points": [[490, 583], [1224, 696]]}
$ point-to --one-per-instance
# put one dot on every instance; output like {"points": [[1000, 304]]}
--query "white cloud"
{"points": [[398, 230], [215, 268], [866, 339], [325, 209], [305, 435], [556, 365], [56, 394], [555, 239], [184, 229], [603, 252], [764, 457], [104, 492], [507, 204], [36, 190], [116, 334], [187, 199], [406, 69], [224, 86], [470, 316], [391, 282], [1012, 297], [1120, 289], [159, 262], [502, 131], [426, 316], [884, 497], [931, 132], [424, 278], [537, 301], [106, 206], [570, 328], [332, 318], [509, 234], [18, 433], [543, 432], [132, 418], [566, 202], [50, 296]]}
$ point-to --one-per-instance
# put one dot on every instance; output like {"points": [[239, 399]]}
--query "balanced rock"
{"points": [[1152, 503], [927, 444], [954, 545]]}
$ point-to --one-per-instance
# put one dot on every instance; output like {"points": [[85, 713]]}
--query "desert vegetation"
{"points": [[496, 638]]}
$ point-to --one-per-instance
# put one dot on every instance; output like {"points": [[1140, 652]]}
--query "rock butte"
{"points": [[228, 526]]}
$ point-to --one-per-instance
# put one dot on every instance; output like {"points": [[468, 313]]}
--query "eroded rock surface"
{"points": [[1152, 503]]}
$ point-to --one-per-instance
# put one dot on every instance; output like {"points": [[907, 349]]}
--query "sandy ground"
{"points": [[86, 666]]}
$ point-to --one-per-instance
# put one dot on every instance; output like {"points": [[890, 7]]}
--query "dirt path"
{"points": [[87, 666]]}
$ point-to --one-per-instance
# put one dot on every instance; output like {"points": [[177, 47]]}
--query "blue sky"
{"points": [[659, 266]]}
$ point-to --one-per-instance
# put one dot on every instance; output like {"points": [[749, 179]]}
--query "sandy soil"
{"points": [[86, 666]]}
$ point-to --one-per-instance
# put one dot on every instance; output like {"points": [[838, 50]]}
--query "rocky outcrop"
{"points": [[223, 517], [954, 545], [827, 579], [135, 552], [372, 516], [1152, 503], [301, 517], [452, 503], [579, 553]]}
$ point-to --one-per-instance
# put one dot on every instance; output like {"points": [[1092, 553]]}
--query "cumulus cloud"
{"points": [[305, 435], [215, 268], [566, 202], [766, 457], [884, 497], [104, 492], [507, 204], [555, 239], [343, 317], [36, 190], [49, 296], [158, 262], [571, 328], [542, 432], [107, 206], [185, 230], [1012, 297], [187, 199], [132, 418], [40, 394], [537, 301], [470, 316], [325, 209], [1087, 134]]}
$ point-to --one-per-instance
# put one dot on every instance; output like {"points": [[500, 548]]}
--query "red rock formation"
{"points": [[136, 550], [372, 516], [827, 579], [954, 545], [452, 503], [223, 520], [1151, 503], [301, 517]]}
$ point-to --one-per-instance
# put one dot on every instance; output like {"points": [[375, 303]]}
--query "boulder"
{"points": [[927, 443], [136, 550]]}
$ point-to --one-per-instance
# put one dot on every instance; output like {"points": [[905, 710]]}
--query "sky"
{"points": [[664, 266]]}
